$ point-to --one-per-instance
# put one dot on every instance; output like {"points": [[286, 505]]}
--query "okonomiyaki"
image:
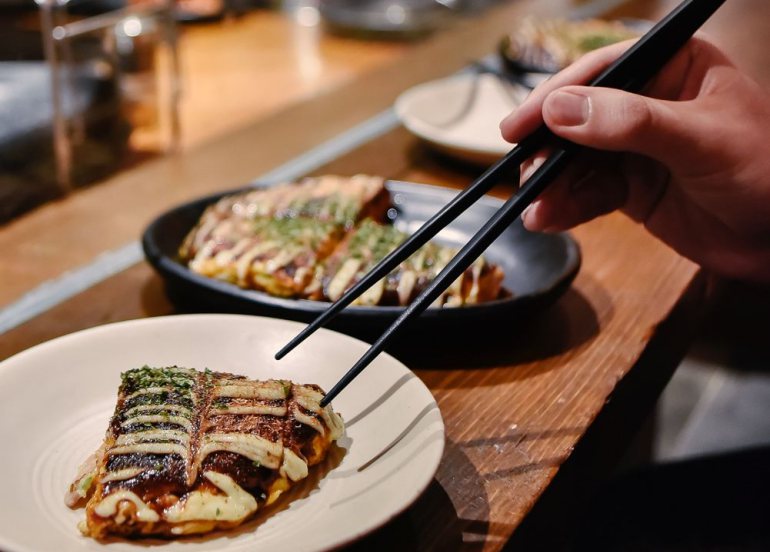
{"points": [[190, 452], [367, 244], [315, 239], [331, 199]]}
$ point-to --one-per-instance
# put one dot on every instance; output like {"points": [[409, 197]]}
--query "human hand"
{"points": [[690, 160]]}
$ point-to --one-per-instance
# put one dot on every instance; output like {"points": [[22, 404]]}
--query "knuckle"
{"points": [[638, 116]]}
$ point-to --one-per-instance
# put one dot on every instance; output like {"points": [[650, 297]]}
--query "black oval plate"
{"points": [[538, 268]]}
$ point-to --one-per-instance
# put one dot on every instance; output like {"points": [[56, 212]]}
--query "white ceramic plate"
{"points": [[461, 115], [56, 400]]}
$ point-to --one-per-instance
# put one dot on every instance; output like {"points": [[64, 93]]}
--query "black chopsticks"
{"points": [[630, 72]]}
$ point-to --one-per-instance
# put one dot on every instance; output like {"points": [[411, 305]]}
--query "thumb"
{"points": [[614, 120]]}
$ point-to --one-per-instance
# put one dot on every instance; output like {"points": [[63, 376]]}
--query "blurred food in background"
{"points": [[549, 45]]}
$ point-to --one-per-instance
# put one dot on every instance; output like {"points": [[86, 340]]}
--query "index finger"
{"points": [[529, 115]]}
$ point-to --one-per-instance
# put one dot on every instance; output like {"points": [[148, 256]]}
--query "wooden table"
{"points": [[548, 401]]}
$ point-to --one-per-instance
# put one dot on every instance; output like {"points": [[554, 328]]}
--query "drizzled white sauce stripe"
{"points": [[108, 507], [293, 467], [253, 447], [307, 392], [251, 392], [308, 403], [153, 435], [264, 410], [162, 419], [333, 422], [187, 393], [150, 448], [311, 421], [122, 475], [149, 391], [160, 407], [234, 505]]}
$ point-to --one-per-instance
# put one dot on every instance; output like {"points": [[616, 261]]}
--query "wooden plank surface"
{"points": [[262, 62], [516, 404]]}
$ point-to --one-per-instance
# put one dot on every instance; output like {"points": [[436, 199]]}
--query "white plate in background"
{"points": [[56, 400], [460, 115]]}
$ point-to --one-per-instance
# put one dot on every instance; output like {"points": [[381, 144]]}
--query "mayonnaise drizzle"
{"points": [[342, 278], [153, 435], [311, 421], [264, 410], [149, 391], [150, 448], [158, 407], [157, 419], [334, 422], [253, 447], [122, 475], [293, 467], [265, 392], [234, 505], [108, 506]]}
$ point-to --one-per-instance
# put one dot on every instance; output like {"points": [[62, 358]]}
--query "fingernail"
{"points": [[527, 216], [506, 122], [568, 109], [530, 169]]}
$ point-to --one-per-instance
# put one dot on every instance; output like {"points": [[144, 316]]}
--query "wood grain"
{"points": [[517, 400], [263, 62]]}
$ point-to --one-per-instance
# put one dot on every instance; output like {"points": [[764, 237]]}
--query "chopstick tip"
{"points": [[299, 338], [291, 345]]}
